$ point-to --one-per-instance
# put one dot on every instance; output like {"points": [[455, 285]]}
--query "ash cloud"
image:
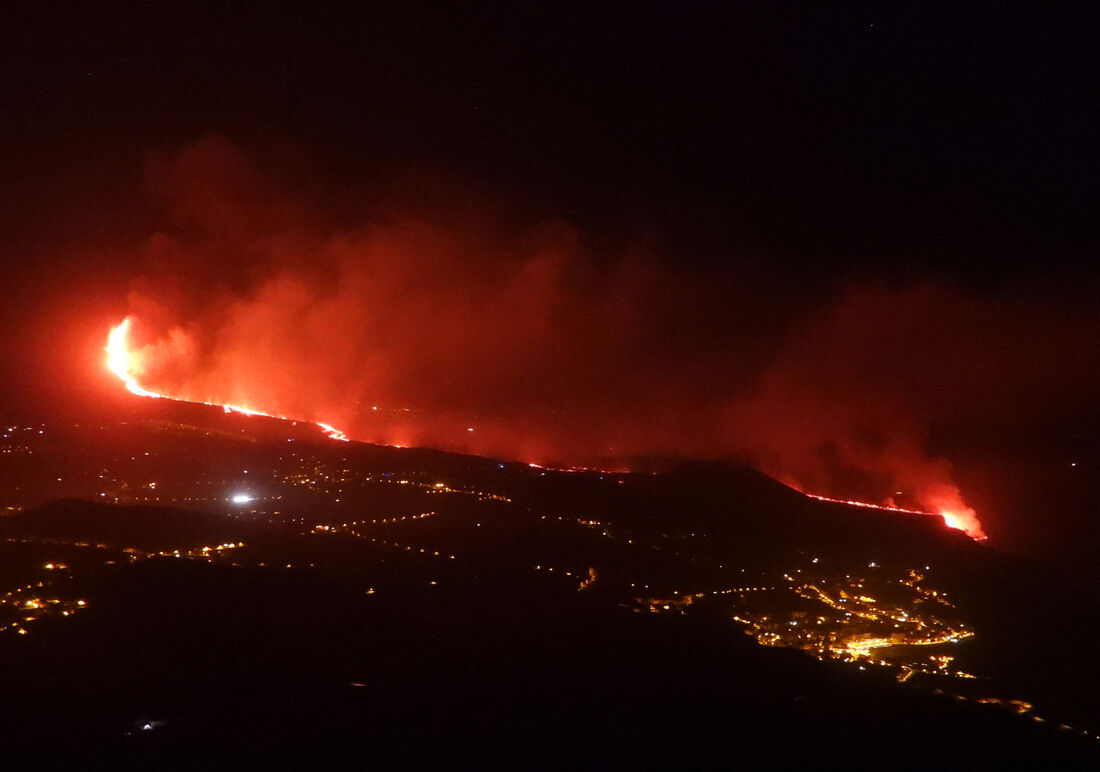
{"points": [[418, 323]]}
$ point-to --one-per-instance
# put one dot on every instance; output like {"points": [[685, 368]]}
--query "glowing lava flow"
{"points": [[969, 526], [120, 361]]}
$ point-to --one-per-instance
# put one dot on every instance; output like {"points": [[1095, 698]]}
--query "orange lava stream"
{"points": [[120, 361], [951, 519], [533, 465]]}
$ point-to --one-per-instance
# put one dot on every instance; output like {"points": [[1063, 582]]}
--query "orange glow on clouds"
{"points": [[449, 324], [123, 362]]}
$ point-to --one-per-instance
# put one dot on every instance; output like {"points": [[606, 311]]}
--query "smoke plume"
{"points": [[455, 327]]}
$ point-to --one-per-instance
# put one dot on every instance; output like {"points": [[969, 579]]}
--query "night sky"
{"points": [[855, 247]]}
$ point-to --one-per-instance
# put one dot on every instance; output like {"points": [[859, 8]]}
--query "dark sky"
{"points": [[880, 218], [895, 135]]}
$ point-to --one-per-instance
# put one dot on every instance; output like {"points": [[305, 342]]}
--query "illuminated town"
{"points": [[876, 615]]}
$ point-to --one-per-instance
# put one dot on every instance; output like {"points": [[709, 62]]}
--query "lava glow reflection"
{"points": [[122, 362]]}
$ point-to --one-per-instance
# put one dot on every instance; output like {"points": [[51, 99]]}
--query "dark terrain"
{"points": [[372, 607]]}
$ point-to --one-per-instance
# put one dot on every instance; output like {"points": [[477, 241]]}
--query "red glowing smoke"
{"points": [[470, 334]]}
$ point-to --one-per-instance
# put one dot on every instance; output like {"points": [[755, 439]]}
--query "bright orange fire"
{"points": [[120, 361], [963, 518], [126, 364], [123, 362]]}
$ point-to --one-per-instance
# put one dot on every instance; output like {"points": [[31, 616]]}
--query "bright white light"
{"points": [[242, 498]]}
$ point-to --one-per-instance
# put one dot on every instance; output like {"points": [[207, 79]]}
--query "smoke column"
{"points": [[471, 334]]}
